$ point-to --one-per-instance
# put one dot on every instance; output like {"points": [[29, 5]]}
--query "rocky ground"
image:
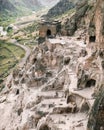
{"points": [[44, 94]]}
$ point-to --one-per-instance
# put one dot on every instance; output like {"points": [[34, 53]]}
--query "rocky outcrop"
{"points": [[73, 23], [96, 120], [42, 63], [90, 71]]}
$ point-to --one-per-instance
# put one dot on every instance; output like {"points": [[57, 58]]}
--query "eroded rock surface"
{"points": [[61, 85], [45, 89]]}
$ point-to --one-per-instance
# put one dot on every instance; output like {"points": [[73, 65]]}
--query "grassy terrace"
{"points": [[30, 33], [9, 57]]}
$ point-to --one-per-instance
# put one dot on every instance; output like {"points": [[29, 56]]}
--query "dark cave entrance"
{"points": [[17, 92], [44, 127], [48, 33], [92, 38], [90, 83]]}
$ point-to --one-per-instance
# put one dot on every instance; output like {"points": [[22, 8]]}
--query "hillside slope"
{"points": [[6, 5], [19, 6], [24, 6], [11, 9], [61, 7]]}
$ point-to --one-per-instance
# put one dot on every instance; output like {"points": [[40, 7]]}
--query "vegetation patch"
{"points": [[10, 55], [29, 35]]}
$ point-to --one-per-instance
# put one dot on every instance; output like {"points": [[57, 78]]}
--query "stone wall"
{"points": [[44, 28]]}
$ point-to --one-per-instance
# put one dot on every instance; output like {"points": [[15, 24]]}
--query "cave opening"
{"points": [[44, 127], [92, 38], [90, 83], [66, 61], [48, 33]]}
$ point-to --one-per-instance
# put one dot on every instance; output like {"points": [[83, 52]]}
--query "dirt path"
{"points": [[27, 53]]}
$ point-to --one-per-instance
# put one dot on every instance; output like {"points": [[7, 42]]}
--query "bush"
{"points": [[22, 55]]}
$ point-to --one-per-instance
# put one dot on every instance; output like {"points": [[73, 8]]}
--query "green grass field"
{"points": [[9, 57]]}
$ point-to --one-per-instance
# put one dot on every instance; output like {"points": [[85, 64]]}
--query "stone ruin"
{"points": [[49, 82], [61, 86], [49, 29]]}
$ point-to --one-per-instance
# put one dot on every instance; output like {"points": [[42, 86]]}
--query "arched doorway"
{"points": [[48, 33]]}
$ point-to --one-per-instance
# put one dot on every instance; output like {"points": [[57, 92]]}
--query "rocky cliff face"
{"points": [[73, 23], [91, 71], [96, 120], [60, 8]]}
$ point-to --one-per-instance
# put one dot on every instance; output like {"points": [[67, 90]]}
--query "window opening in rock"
{"points": [[17, 92], [34, 60], [91, 83], [66, 61], [92, 38], [48, 33], [19, 111]]}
